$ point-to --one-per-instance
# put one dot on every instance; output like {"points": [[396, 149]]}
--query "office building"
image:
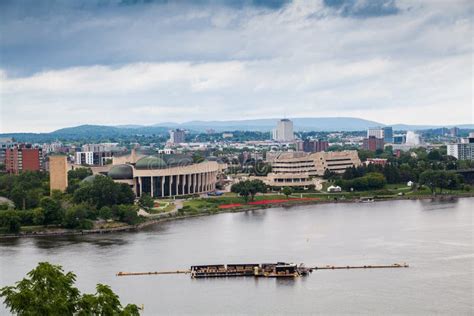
{"points": [[312, 146], [23, 157], [91, 158], [387, 134], [177, 136], [372, 143], [58, 172], [284, 131], [376, 132]]}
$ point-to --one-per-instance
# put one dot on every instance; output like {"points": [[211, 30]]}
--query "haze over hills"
{"points": [[263, 125]]}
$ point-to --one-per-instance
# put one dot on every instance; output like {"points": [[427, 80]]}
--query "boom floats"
{"points": [[277, 270]]}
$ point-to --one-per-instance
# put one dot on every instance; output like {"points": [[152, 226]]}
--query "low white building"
{"points": [[333, 188]]}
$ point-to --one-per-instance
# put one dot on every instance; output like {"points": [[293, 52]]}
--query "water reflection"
{"points": [[285, 282], [437, 204], [61, 242], [255, 215]]}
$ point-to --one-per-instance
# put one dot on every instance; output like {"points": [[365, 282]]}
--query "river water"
{"points": [[435, 238]]}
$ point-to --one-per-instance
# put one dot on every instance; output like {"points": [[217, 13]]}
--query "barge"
{"points": [[269, 270]]}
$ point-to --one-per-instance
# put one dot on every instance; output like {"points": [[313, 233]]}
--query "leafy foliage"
{"points": [[146, 201], [287, 191], [103, 191], [249, 188], [371, 181], [47, 290]]}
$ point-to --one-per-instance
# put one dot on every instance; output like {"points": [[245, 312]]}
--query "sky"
{"points": [[113, 62]]}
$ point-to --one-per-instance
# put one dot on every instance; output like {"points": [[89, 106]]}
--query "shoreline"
{"points": [[172, 217]]}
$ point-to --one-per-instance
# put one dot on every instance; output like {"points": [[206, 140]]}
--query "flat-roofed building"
{"points": [[312, 145], [377, 132], [177, 136], [284, 131], [373, 143], [23, 157], [463, 150]]}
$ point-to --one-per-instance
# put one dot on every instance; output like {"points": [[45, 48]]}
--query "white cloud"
{"points": [[301, 60]]}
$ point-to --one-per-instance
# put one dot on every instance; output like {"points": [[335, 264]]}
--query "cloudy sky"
{"points": [[110, 62]]}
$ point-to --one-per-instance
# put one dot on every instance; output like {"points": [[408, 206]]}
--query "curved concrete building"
{"points": [[167, 175]]}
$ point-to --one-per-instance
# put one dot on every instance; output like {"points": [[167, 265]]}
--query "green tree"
{"points": [[38, 216], [104, 302], [428, 178], [287, 191], [435, 155], [79, 174], [328, 174], [14, 224], [146, 201], [242, 188], [256, 186], [128, 214], [105, 212], [47, 290], [103, 191], [249, 188], [53, 213], [78, 217]]}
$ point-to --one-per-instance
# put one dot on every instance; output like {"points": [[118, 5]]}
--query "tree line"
{"points": [[84, 202]]}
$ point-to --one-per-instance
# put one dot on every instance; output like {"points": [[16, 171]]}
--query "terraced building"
{"points": [[306, 169]]}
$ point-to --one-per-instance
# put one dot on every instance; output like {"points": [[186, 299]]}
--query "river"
{"points": [[435, 238]]}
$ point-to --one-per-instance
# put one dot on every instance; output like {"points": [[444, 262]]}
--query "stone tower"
{"points": [[58, 173]]}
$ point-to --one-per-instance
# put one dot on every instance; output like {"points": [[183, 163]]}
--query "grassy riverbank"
{"points": [[213, 205], [231, 201]]}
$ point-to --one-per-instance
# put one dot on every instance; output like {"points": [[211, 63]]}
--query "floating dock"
{"points": [[268, 270]]}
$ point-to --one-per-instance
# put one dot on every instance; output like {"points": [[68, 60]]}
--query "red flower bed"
{"points": [[230, 205], [264, 202]]}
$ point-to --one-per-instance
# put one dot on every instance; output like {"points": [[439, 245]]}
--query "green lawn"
{"points": [[157, 210]]}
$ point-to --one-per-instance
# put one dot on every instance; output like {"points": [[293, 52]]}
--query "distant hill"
{"points": [[265, 125], [94, 132], [405, 127], [109, 131], [84, 132]]}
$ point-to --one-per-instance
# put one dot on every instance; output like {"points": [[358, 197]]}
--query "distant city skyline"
{"points": [[144, 62]]}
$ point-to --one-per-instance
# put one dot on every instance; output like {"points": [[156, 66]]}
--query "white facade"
{"points": [[85, 157], [284, 131], [412, 138], [461, 151], [377, 132]]}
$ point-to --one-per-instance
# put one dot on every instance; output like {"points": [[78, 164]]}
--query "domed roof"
{"points": [[121, 172], [89, 179], [151, 162], [178, 160]]}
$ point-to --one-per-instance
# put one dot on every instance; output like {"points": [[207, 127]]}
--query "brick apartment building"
{"points": [[372, 143], [23, 158]]}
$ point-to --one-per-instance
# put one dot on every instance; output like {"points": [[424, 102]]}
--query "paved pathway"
{"points": [[178, 204]]}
